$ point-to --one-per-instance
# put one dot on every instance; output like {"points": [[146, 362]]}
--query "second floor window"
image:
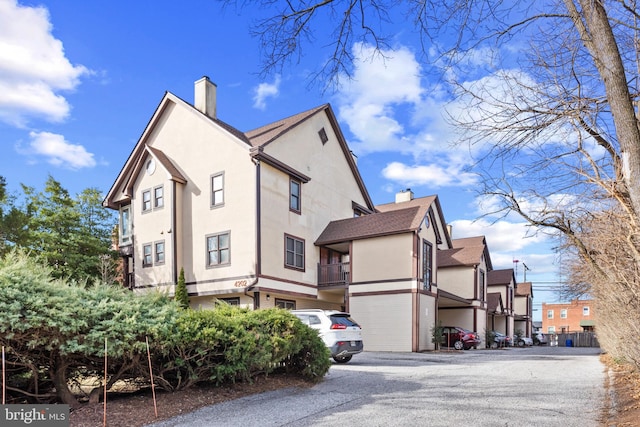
{"points": [[158, 197], [125, 225], [563, 313], [294, 253], [481, 282], [549, 314], [294, 195], [427, 265], [585, 311], [146, 201], [218, 249], [217, 190]]}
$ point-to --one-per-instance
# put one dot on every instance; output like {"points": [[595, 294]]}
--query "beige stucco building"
{"points": [[279, 216]]}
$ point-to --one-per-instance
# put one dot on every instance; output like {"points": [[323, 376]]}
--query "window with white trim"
{"points": [[563, 313], [159, 252], [585, 311], [217, 189], [218, 249], [125, 225], [294, 252], [146, 201], [158, 197], [549, 314]]}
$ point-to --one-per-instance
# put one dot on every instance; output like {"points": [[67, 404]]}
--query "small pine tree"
{"points": [[181, 296], [437, 335]]}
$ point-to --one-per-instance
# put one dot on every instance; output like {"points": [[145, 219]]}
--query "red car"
{"points": [[459, 338]]}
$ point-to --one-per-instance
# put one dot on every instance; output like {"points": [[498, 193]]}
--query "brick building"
{"points": [[575, 316]]}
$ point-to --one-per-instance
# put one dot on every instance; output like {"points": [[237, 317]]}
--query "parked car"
{"points": [[459, 338], [524, 342], [500, 340], [340, 333], [541, 338]]}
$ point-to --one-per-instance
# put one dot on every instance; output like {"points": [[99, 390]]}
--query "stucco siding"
{"points": [[201, 149], [327, 196], [457, 280], [426, 315], [382, 258], [386, 321]]}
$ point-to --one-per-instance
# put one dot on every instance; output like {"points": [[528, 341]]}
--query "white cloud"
{"points": [[264, 91], [387, 108], [33, 66], [57, 151], [508, 241], [432, 175]]}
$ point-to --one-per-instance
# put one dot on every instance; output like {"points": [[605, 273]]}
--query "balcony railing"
{"points": [[333, 274]]}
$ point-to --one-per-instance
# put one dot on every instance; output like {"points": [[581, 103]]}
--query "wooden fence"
{"points": [[575, 339]]}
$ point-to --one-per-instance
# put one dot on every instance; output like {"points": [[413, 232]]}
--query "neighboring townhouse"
{"points": [[392, 282], [462, 284], [523, 309], [495, 313], [239, 212], [502, 282], [575, 316]]}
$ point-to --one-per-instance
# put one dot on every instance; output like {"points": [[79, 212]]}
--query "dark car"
{"points": [[459, 338], [500, 340]]}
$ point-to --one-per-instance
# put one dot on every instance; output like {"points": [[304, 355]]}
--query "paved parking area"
{"points": [[536, 386]]}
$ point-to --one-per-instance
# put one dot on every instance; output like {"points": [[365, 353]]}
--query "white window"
{"points": [[551, 330], [125, 225], [218, 249], [159, 252], [146, 201], [585, 311], [563, 313], [549, 314], [158, 197], [217, 190]]}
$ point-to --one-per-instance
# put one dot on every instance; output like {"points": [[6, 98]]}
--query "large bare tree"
{"points": [[555, 112]]}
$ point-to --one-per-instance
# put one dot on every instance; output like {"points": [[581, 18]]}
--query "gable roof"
{"points": [[494, 302], [255, 140], [524, 289], [261, 137], [373, 225], [465, 252], [268, 133], [500, 277], [427, 201]]}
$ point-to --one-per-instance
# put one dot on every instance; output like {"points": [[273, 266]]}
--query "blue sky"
{"points": [[80, 80]]}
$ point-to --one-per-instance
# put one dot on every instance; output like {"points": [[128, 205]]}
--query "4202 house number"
{"points": [[240, 283]]}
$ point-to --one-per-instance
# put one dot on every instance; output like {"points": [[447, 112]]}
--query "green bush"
{"points": [[231, 344], [54, 332]]}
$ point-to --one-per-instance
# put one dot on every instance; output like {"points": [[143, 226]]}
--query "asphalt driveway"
{"points": [[537, 386]]}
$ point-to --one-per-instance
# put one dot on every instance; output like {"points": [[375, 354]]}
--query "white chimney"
{"points": [[205, 97], [404, 196]]}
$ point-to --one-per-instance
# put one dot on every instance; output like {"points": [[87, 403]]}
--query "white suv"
{"points": [[340, 333]]}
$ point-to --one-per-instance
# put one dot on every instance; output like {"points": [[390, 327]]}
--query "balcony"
{"points": [[333, 274]]}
